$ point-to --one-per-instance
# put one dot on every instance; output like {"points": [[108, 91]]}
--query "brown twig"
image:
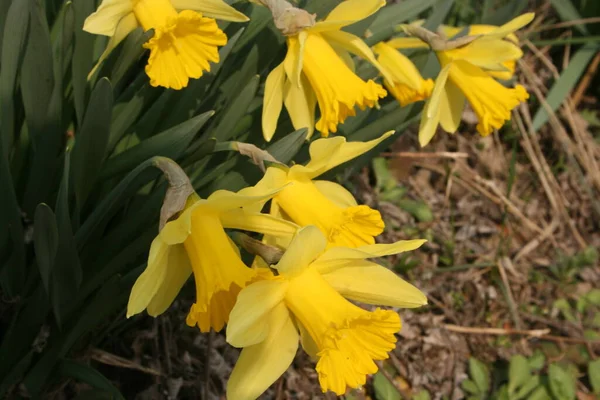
{"points": [[496, 331], [435, 154]]}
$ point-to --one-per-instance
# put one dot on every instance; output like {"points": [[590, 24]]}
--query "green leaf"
{"points": [[386, 20], [438, 15], [13, 50], [45, 242], [92, 140], [170, 143], [287, 147], [594, 375], [235, 111], [131, 52], [480, 374], [86, 374], [66, 274], [537, 360], [528, 387], [565, 83], [562, 384], [384, 389], [83, 52], [132, 182], [470, 386], [518, 373], [568, 12], [565, 308], [505, 13], [539, 394]]}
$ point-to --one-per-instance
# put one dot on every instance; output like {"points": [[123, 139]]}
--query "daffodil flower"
{"points": [[318, 69], [407, 86], [308, 300], [325, 204], [476, 30], [465, 77], [186, 35], [196, 242]]}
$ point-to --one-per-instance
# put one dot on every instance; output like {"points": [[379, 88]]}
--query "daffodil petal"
{"points": [[405, 71], [257, 222], [428, 125], [336, 193], [125, 26], [373, 284], [105, 19], [490, 54], [273, 101], [300, 103], [249, 321], [357, 46], [347, 13], [216, 9], [511, 26], [177, 273], [149, 282], [224, 200], [261, 364], [177, 230], [274, 178], [451, 107], [294, 57], [308, 243], [436, 93], [308, 343], [326, 154], [341, 257]]}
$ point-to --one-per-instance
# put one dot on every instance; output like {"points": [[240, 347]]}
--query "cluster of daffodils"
{"points": [[325, 240], [318, 68]]}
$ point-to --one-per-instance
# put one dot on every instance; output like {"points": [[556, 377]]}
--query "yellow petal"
{"points": [[308, 243], [257, 222], [326, 154], [178, 230], [183, 48], [401, 68], [355, 45], [224, 200], [260, 365], [149, 282], [373, 284], [336, 193], [487, 54], [294, 57], [216, 9], [407, 43], [105, 19], [300, 102], [274, 179], [308, 343], [430, 117], [451, 107], [273, 101], [341, 257], [511, 26], [125, 26], [347, 13], [249, 320], [178, 271]]}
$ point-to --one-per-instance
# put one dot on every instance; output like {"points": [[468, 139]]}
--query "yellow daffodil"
{"points": [[196, 242], [322, 203], [407, 86], [308, 300], [318, 69], [186, 35], [476, 30], [464, 77]]}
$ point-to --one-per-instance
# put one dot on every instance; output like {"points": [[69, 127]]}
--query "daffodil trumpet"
{"points": [[309, 300], [195, 242], [407, 84], [186, 36], [327, 205], [467, 63], [318, 69]]}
